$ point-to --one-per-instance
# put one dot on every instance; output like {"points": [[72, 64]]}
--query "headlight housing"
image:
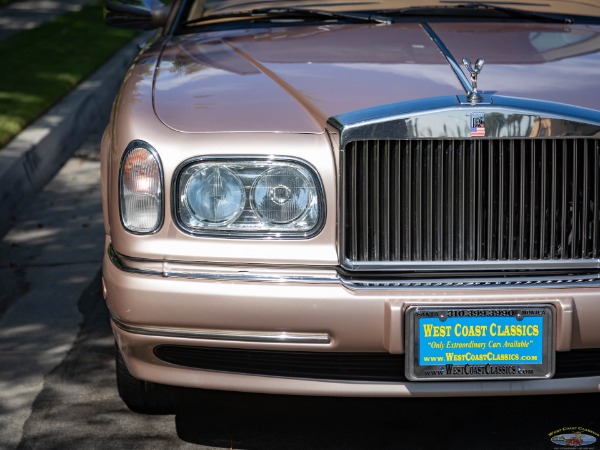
{"points": [[141, 189], [242, 197]]}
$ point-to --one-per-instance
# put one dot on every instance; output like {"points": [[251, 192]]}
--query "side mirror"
{"points": [[135, 14]]}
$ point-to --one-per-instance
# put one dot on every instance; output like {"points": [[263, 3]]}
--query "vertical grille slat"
{"points": [[564, 204], [584, 209], [375, 202], [596, 198], [407, 203], [543, 204], [438, 220], [461, 206], [500, 218], [472, 205], [385, 203], [450, 202], [397, 211], [534, 223], [574, 201], [479, 220], [364, 208], [429, 204], [471, 200], [522, 206], [417, 192], [489, 241], [511, 200], [352, 205], [554, 195]]}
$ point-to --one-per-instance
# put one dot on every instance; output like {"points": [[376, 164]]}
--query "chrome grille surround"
{"points": [[480, 282], [418, 195]]}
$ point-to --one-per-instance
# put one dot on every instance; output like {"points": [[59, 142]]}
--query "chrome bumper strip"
{"points": [[220, 274], [267, 337]]}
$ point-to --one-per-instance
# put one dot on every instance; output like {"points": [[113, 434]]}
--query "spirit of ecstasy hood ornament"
{"points": [[474, 96]]}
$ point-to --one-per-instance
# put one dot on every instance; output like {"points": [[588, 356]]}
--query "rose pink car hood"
{"points": [[292, 79]]}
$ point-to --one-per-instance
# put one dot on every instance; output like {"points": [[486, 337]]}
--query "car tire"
{"points": [[143, 396]]}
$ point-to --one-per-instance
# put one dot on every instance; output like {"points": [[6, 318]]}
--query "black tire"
{"points": [[143, 396]]}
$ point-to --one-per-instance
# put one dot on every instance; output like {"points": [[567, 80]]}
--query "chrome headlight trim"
{"points": [[250, 169]]}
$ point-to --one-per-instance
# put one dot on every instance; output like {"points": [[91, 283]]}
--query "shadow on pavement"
{"points": [[259, 422]]}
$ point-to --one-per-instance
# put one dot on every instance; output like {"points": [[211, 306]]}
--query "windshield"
{"points": [[219, 8]]}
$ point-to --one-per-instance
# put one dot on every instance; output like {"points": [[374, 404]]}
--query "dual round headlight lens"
{"points": [[281, 195], [249, 197], [215, 195]]}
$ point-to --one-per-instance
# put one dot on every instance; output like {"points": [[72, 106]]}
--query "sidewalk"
{"points": [[30, 160], [52, 254], [24, 15], [48, 260]]}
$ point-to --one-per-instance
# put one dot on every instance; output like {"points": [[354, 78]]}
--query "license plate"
{"points": [[479, 342]]}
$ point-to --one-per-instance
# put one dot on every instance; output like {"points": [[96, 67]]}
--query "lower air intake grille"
{"points": [[373, 367]]}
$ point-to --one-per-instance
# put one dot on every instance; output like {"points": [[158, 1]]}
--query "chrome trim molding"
{"points": [[369, 282], [479, 266], [267, 337], [491, 282], [119, 261], [425, 119]]}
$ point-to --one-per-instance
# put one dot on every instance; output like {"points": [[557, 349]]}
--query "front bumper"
{"points": [[308, 311]]}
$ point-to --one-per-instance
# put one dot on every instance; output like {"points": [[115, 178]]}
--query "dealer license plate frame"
{"points": [[503, 366]]}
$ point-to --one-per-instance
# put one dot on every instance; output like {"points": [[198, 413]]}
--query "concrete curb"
{"points": [[30, 160]]}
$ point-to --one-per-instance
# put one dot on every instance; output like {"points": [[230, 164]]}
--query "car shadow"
{"points": [[251, 421]]}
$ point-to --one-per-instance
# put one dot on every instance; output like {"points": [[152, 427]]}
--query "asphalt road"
{"points": [[57, 381]]}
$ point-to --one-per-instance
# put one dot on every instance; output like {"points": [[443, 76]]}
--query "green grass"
{"points": [[41, 65]]}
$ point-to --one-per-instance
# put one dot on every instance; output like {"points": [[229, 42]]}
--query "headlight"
{"points": [[140, 189], [214, 195], [249, 198], [281, 195]]}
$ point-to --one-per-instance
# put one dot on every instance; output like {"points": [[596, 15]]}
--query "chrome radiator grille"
{"points": [[498, 200]]}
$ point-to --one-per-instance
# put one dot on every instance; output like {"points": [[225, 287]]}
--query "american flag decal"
{"points": [[477, 124]]}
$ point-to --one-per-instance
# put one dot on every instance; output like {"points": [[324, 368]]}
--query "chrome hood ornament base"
{"points": [[474, 96]]}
